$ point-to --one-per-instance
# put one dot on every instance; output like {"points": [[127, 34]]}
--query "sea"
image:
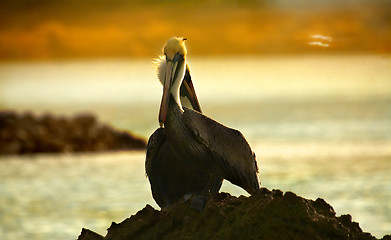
{"points": [[320, 126]]}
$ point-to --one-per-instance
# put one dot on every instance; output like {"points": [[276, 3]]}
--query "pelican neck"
{"points": [[174, 113]]}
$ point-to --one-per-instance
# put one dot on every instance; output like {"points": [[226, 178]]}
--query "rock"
{"points": [[264, 215], [90, 235], [25, 133]]}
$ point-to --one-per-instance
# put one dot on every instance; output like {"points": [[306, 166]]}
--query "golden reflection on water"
{"points": [[245, 78], [54, 196], [319, 125]]}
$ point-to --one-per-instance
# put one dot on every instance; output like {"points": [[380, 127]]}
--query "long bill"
{"points": [[174, 75], [166, 93]]}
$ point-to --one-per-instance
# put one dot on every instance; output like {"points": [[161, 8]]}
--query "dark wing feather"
{"points": [[154, 146], [234, 156]]}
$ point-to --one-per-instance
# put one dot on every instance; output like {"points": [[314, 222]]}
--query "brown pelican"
{"points": [[192, 153], [170, 179]]}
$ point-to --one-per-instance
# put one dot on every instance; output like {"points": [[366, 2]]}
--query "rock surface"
{"points": [[264, 215], [25, 133]]}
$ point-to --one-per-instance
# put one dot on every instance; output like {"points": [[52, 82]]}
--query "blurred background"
{"points": [[104, 28], [307, 82]]}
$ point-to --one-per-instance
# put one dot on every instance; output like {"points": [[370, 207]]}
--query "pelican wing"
{"points": [[169, 177], [152, 163], [230, 150]]}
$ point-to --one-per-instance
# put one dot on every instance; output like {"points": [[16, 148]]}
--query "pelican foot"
{"points": [[198, 202]]}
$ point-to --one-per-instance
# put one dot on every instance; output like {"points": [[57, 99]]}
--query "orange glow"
{"points": [[138, 30]]}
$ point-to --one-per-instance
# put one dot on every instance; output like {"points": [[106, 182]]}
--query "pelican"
{"points": [[170, 179], [191, 153]]}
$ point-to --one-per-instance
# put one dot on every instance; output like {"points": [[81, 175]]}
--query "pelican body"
{"points": [[191, 153], [169, 177]]}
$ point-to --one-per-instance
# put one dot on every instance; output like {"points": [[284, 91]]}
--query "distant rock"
{"points": [[26, 133], [264, 215]]}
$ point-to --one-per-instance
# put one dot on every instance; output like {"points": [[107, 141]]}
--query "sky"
{"points": [[34, 30]]}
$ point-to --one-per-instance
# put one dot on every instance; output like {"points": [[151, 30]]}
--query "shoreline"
{"points": [[28, 134]]}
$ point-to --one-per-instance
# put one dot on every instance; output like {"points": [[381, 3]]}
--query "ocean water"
{"points": [[320, 126]]}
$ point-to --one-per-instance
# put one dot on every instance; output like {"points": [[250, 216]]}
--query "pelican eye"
{"points": [[178, 57]]}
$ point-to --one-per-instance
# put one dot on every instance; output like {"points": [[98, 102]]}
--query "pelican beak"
{"points": [[171, 74]]}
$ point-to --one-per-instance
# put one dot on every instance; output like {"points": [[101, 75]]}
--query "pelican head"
{"points": [[171, 71], [174, 46]]}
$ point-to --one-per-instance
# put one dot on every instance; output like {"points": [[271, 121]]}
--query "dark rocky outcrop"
{"points": [[25, 133], [264, 215]]}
